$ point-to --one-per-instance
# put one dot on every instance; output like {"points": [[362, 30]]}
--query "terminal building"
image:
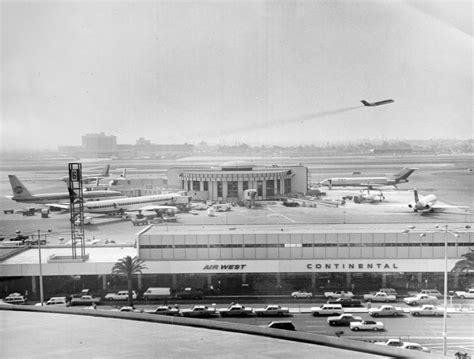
{"points": [[228, 182], [253, 259]]}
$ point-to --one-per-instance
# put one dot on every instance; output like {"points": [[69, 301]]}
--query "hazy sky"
{"points": [[273, 72]]}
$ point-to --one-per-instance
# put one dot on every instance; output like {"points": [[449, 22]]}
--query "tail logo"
{"points": [[18, 190]]}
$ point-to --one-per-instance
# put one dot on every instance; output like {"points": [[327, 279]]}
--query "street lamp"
{"points": [[40, 267], [444, 229]]}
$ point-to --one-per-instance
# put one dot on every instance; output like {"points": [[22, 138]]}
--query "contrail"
{"points": [[288, 120]]}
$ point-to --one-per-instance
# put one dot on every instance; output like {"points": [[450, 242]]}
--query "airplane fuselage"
{"points": [[121, 205], [359, 181], [45, 198], [424, 204]]}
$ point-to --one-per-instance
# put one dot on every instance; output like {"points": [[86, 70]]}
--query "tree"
{"points": [[465, 265], [128, 267]]}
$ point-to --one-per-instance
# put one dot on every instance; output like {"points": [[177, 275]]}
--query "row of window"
{"points": [[232, 187], [300, 245]]}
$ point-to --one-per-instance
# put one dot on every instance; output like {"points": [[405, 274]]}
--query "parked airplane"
{"points": [[376, 103], [427, 204], [370, 182], [91, 178], [22, 194]]}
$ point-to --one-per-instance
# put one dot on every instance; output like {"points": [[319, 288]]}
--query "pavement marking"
{"points": [[288, 218]]}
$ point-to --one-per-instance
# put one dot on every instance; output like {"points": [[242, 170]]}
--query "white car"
{"points": [[420, 299], [463, 294], [415, 346], [121, 295], [338, 294], [427, 310], [15, 298], [366, 325], [391, 343], [302, 294]]}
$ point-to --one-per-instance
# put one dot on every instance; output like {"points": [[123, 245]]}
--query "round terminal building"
{"points": [[230, 181]]}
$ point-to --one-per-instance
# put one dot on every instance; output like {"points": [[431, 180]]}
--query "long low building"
{"points": [[258, 259]]}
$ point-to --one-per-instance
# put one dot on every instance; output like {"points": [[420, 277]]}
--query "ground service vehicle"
{"points": [[338, 294], [463, 294], [282, 324], [427, 310], [199, 311], [156, 293], [380, 297], [343, 319], [420, 299], [327, 309], [272, 311], [85, 300], [366, 325], [385, 311], [59, 301], [346, 302], [302, 294], [236, 310], [165, 310], [121, 295]]}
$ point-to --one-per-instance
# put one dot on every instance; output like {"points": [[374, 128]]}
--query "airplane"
{"points": [[22, 194], [157, 202], [427, 204], [379, 103], [369, 182], [91, 178]]}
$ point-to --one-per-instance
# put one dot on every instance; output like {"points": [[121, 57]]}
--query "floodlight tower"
{"points": [[76, 209]]}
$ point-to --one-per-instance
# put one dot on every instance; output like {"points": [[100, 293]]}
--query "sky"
{"points": [[231, 72]]}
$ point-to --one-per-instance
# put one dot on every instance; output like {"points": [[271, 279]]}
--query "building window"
{"points": [[245, 185], [232, 189], [196, 186], [260, 188], [206, 185], [219, 189], [270, 188]]}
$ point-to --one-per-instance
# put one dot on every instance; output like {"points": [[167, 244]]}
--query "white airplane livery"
{"points": [[91, 178], [427, 204], [22, 194]]}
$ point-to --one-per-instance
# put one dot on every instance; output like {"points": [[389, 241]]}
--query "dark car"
{"points": [[282, 324], [346, 302], [189, 293]]}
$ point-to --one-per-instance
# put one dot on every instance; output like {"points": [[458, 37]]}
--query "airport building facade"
{"points": [[228, 182], [253, 259]]}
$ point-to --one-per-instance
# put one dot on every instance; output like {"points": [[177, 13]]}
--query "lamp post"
{"points": [[445, 230], [40, 268]]}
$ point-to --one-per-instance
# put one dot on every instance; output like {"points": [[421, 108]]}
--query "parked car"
{"points": [[302, 294], [15, 298], [415, 346], [391, 343], [346, 302], [57, 301], [420, 299], [85, 300], [282, 324], [389, 291], [189, 293], [385, 311], [272, 310], [121, 295], [366, 325], [165, 310], [237, 310], [199, 311], [343, 319], [130, 309], [427, 310], [380, 297], [463, 294], [338, 294], [327, 309], [156, 293]]}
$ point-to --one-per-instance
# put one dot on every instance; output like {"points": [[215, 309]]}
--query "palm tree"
{"points": [[465, 265], [128, 266]]}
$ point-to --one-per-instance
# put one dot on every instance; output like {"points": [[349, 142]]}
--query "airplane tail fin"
{"points": [[18, 188], [105, 173], [404, 174], [124, 173], [416, 196]]}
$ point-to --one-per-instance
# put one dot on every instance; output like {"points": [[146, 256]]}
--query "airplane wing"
{"points": [[439, 207], [58, 206]]}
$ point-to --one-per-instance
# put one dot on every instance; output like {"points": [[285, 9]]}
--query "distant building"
{"points": [[228, 182], [99, 142]]}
